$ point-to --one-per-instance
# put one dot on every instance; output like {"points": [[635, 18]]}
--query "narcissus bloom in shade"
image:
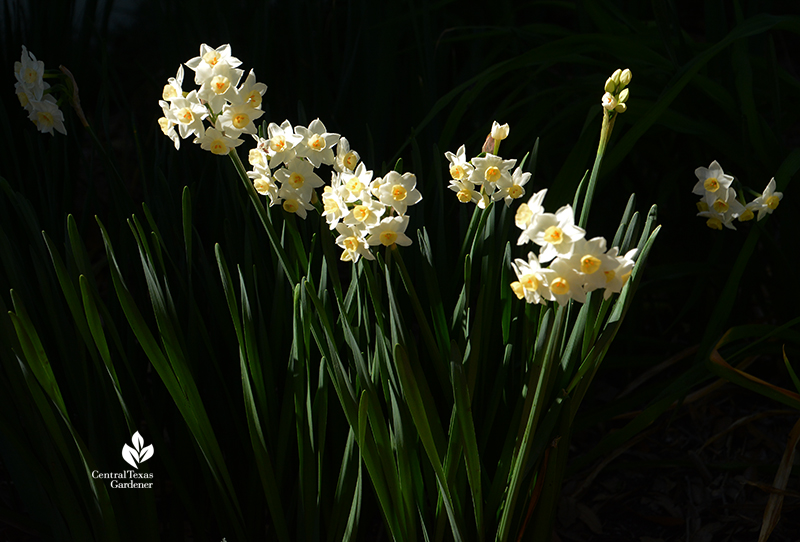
{"points": [[555, 233], [711, 180], [238, 118], [346, 158], [215, 140], [460, 168], [565, 283], [531, 283], [30, 75], [527, 212], [355, 186], [617, 278], [187, 114], [334, 207], [465, 191], [489, 170], [353, 242], [46, 116], [399, 191], [389, 231], [768, 201], [317, 143], [294, 202], [265, 185], [299, 175], [511, 188], [589, 258]]}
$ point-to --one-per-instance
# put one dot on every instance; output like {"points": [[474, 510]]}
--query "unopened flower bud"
{"points": [[625, 77], [499, 132], [615, 76], [621, 108], [609, 101], [623, 96], [611, 86], [488, 145]]}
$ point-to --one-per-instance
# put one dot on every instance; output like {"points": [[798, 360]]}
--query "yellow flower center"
{"points": [[254, 98], [523, 216], [515, 191], [457, 172], [772, 202], [492, 174], [354, 185], [529, 282], [316, 142], [516, 287], [168, 92], [30, 76], [399, 192], [218, 146], [589, 264], [219, 84], [464, 196], [714, 223], [711, 184], [211, 58], [388, 237], [350, 160], [255, 158], [185, 116], [164, 124], [277, 143], [361, 212], [553, 235], [702, 206], [240, 121], [262, 185], [330, 205], [559, 286], [291, 205], [350, 243], [720, 206], [296, 180], [610, 275], [746, 215], [45, 119]]}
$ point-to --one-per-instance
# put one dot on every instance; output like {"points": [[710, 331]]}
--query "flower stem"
{"points": [[605, 134]]}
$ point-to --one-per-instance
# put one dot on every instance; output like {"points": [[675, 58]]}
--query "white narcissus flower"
{"points": [[399, 191], [768, 201], [251, 92], [355, 186], [334, 207], [617, 278], [710, 181], [723, 210], [555, 233], [352, 240], [215, 140], [281, 143], [589, 258], [220, 88], [389, 231], [174, 85], [465, 191], [294, 202], [317, 143], [609, 101], [346, 159], [499, 132], [527, 212], [265, 185], [30, 75], [531, 283], [565, 283], [238, 118], [299, 175], [460, 168], [365, 214], [211, 61], [188, 114], [489, 170], [168, 126], [510, 189], [46, 115]]}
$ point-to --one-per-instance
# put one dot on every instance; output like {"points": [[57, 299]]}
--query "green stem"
{"points": [[605, 134]]}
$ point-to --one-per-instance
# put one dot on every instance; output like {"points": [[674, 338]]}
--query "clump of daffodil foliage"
{"points": [[364, 211]]}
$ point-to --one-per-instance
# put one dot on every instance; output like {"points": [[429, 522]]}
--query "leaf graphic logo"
{"points": [[139, 453]]}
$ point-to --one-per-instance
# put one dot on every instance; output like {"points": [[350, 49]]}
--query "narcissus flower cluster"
{"points": [[364, 211], [35, 96], [577, 266], [228, 107], [719, 203], [487, 176]]}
